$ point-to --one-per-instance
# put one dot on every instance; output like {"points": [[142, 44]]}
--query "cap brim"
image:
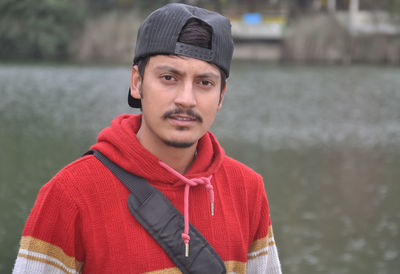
{"points": [[133, 102]]}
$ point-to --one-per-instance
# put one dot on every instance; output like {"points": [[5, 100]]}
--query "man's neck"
{"points": [[180, 159]]}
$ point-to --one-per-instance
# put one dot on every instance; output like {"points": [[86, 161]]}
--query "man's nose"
{"points": [[185, 96]]}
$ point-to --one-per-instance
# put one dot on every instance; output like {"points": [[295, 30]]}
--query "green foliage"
{"points": [[394, 6], [34, 29], [44, 29]]}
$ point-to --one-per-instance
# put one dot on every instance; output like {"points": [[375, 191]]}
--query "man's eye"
{"points": [[167, 77], [206, 83]]}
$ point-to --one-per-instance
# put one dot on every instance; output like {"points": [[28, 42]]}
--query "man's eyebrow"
{"points": [[208, 75], [178, 72], [169, 69]]}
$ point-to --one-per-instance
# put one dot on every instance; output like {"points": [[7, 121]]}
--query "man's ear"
{"points": [[222, 96], [136, 83]]}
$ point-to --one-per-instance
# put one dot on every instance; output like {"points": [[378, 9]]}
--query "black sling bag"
{"points": [[165, 223]]}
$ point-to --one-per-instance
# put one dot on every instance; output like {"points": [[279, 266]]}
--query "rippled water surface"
{"points": [[326, 140]]}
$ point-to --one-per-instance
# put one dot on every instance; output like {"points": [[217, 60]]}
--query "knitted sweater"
{"points": [[80, 222]]}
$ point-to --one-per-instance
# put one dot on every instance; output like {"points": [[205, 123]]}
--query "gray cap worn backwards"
{"points": [[160, 32]]}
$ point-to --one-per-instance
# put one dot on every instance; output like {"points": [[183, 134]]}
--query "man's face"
{"points": [[180, 98]]}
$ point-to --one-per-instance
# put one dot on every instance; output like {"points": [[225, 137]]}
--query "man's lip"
{"points": [[182, 120], [182, 117]]}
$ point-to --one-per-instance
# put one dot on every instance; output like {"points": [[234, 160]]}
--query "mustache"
{"points": [[188, 112]]}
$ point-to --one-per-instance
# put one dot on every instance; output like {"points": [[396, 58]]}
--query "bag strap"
{"points": [[165, 223]]}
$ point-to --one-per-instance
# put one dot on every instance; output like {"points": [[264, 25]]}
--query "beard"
{"points": [[176, 144], [189, 112]]}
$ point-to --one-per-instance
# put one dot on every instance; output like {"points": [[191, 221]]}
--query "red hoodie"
{"points": [[81, 222]]}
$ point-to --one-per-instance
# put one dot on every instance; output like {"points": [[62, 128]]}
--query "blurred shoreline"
{"points": [[311, 39]]}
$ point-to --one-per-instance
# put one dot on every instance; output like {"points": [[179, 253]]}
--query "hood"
{"points": [[120, 144]]}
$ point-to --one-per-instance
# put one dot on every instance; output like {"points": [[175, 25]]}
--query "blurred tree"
{"points": [[38, 29], [151, 5], [142, 5], [394, 7], [102, 5]]}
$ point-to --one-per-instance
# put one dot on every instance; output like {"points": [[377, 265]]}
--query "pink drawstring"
{"points": [[191, 182]]}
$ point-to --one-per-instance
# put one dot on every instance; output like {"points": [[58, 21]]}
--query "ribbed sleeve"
{"points": [[51, 241]]}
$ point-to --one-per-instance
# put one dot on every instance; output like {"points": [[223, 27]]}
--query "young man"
{"points": [[81, 221]]}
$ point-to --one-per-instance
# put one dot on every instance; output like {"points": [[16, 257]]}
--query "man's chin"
{"points": [[179, 144]]}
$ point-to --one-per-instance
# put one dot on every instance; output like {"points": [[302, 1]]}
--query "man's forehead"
{"points": [[179, 64]]}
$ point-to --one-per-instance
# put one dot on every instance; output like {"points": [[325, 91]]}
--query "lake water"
{"points": [[326, 140]]}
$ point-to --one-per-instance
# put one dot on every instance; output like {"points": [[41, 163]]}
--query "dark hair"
{"points": [[196, 33]]}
